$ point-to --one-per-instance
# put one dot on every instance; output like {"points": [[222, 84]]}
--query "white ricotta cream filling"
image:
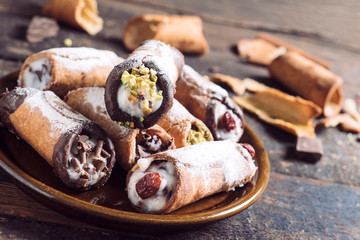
{"points": [[133, 108], [167, 187], [37, 74], [224, 134]]}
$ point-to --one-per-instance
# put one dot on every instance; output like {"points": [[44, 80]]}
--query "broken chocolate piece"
{"points": [[309, 149], [41, 28]]}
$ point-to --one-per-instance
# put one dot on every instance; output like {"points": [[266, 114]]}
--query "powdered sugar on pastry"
{"points": [[55, 110]]}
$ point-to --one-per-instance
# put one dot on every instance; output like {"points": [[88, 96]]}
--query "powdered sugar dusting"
{"points": [[235, 160], [94, 96], [160, 55], [204, 84], [61, 117], [83, 58]]}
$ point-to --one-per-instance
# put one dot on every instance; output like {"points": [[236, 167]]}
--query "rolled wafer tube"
{"points": [[130, 144], [78, 13], [310, 80], [211, 104], [140, 90], [184, 127], [63, 69], [79, 151], [164, 182], [182, 32]]}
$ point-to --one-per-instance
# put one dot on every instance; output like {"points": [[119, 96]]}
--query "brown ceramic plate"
{"points": [[108, 206]]}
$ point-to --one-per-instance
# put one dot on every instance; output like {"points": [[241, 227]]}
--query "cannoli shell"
{"points": [[72, 68], [204, 169], [90, 102], [310, 80], [182, 32], [50, 126], [165, 60], [257, 51], [78, 13], [201, 98], [178, 122]]}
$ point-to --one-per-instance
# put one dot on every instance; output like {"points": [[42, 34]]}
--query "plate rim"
{"points": [[47, 195]]}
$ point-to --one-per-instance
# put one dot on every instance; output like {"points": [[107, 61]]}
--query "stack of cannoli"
{"points": [[167, 148], [130, 143]]}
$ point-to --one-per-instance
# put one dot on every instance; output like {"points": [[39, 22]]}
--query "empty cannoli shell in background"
{"points": [[292, 114], [182, 32], [257, 51], [309, 80], [78, 13], [90, 102]]}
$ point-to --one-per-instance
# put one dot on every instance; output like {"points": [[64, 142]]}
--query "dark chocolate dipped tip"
{"points": [[114, 82], [213, 124], [10, 101], [62, 159]]}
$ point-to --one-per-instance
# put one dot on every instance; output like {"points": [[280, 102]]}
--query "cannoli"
{"points": [[78, 150], [130, 144], [184, 127], [310, 80], [164, 182], [63, 69], [140, 90], [182, 32], [78, 13], [211, 104]]}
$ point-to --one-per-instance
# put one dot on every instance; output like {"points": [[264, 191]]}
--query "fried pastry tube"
{"points": [[78, 13], [164, 182], [79, 151], [211, 104], [182, 32], [184, 127], [140, 90], [63, 69], [130, 144], [310, 80]]}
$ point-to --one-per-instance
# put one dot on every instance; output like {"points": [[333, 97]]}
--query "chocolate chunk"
{"points": [[309, 149], [41, 28], [98, 148], [105, 154], [99, 164], [75, 163]]}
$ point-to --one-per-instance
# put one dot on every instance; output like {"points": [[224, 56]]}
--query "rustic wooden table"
{"points": [[303, 200]]}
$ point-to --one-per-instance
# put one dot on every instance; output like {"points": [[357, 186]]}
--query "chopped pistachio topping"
{"points": [[141, 84], [197, 135], [127, 124]]}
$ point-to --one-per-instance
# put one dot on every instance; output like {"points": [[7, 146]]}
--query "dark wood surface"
{"points": [[303, 200]]}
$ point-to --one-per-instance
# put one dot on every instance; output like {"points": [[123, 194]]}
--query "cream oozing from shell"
{"points": [[139, 94], [224, 133], [94, 175], [167, 187], [37, 74]]}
